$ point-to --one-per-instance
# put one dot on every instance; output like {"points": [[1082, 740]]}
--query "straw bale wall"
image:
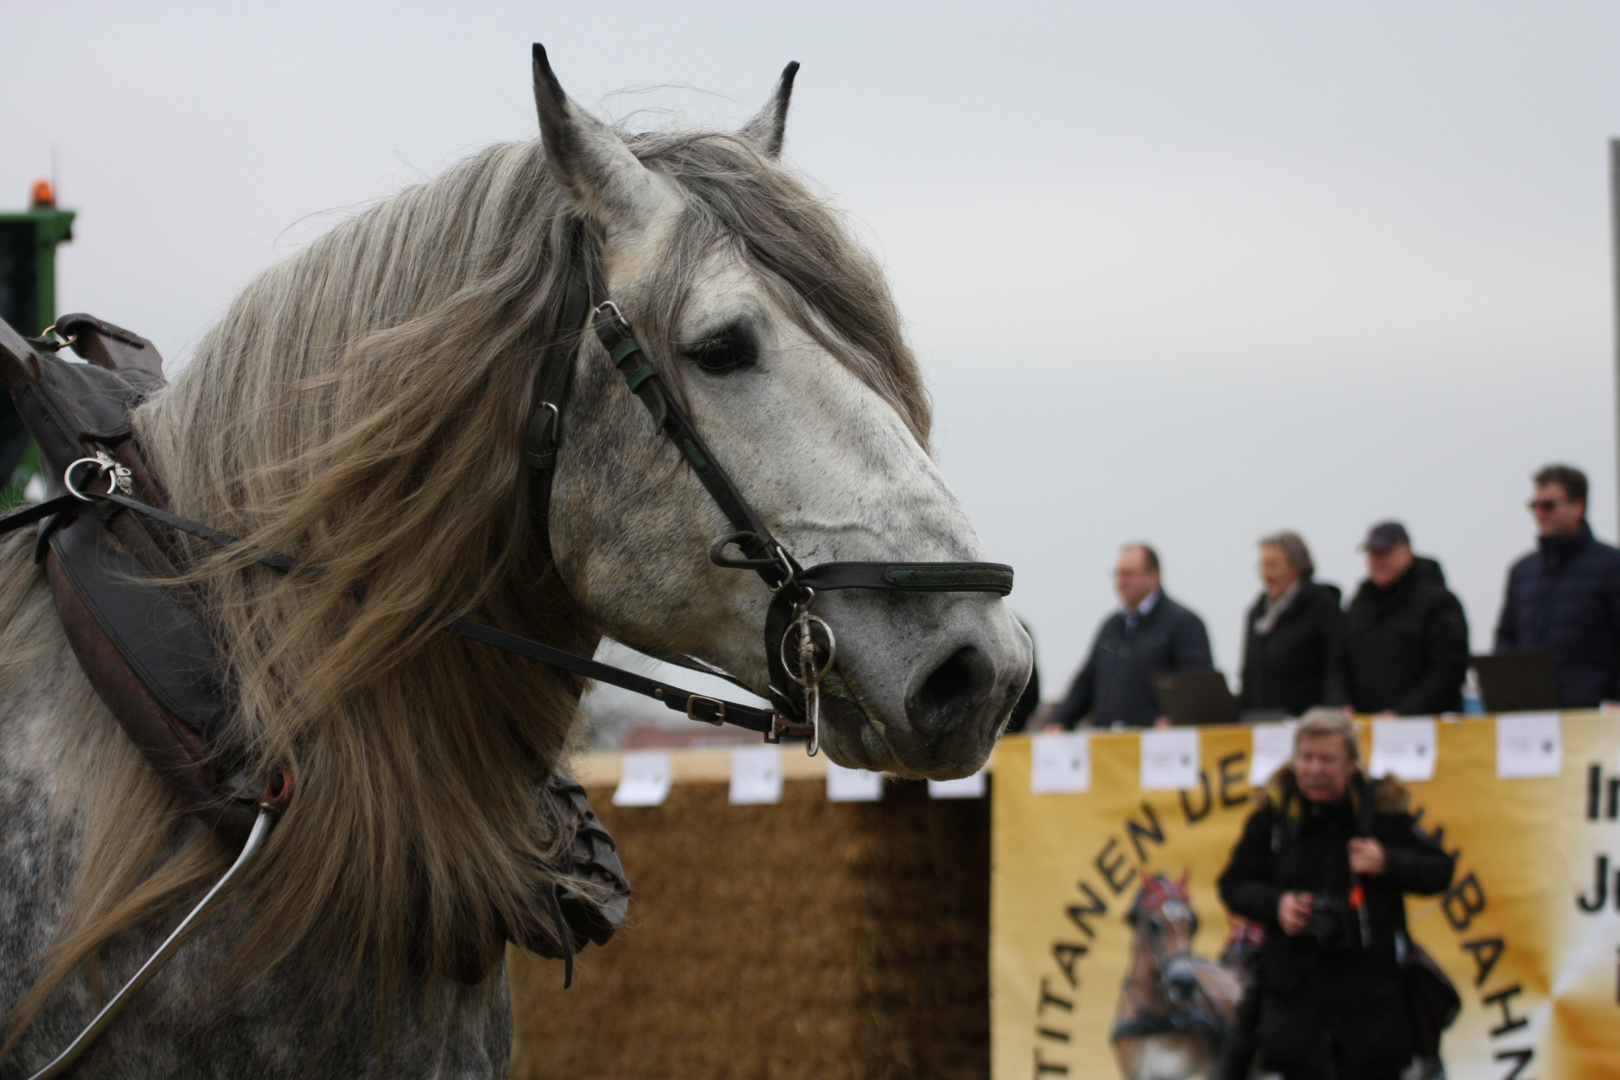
{"points": [[808, 939]]}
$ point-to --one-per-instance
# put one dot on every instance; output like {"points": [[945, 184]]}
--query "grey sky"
{"points": [[1182, 272]]}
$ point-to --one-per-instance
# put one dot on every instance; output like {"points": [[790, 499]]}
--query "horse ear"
{"points": [[766, 128], [598, 171]]}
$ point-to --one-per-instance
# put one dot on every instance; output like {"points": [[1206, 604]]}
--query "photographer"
{"points": [[1325, 874]]}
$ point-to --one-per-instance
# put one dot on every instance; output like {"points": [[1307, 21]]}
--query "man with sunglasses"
{"points": [[1564, 597]]}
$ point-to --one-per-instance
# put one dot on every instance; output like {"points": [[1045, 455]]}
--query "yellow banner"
{"points": [[1529, 931]]}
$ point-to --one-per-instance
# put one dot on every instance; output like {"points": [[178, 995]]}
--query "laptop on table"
{"points": [[1195, 697], [1516, 682]]}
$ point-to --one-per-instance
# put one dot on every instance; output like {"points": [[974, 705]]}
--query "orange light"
{"points": [[44, 195]]}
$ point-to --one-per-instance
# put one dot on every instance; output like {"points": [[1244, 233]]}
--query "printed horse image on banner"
{"points": [[1174, 1007]]}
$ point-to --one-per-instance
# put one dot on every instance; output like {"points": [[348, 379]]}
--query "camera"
{"points": [[1333, 924]]}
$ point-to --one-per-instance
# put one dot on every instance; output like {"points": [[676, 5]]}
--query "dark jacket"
{"points": [[1297, 664], [1114, 686], [1030, 699], [1406, 647], [1340, 982], [1564, 598]]}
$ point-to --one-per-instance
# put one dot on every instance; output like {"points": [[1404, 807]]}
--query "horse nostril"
{"points": [[950, 690]]}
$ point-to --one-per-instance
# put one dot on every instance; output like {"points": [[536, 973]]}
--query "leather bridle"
{"points": [[800, 646]]}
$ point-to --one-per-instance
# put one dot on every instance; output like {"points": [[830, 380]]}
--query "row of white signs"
{"points": [[756, 777], [1527, 745]]}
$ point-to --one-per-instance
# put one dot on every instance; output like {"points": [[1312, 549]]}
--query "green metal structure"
{"points": [[28, 242]]}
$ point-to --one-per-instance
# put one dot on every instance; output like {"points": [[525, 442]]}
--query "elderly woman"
{"points": [[1295, 632]]}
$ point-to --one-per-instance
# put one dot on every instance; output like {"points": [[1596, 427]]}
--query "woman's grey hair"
{"points": [[1293, 549], [1323, 720]]}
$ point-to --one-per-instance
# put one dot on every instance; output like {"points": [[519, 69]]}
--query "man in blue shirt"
{"points": [[1149, 634], [1564, 597]]}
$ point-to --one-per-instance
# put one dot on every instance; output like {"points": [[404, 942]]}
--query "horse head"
{"points": [[1166, 924], [779, 339]]}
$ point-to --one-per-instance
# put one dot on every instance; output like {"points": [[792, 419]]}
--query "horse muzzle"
{"points": [[1180, 980], [923, 685]]}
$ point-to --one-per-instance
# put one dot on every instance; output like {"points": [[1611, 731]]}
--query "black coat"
{"points": [[1030, 699], [1564, 598], [1115, 684], [1349, 988], [1297, 665], [1406, 647]]}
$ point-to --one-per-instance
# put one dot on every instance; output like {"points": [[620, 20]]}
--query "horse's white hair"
{"points": [[362, 406]]}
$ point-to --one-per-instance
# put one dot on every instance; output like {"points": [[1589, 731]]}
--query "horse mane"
{"points": [[361, 406]]}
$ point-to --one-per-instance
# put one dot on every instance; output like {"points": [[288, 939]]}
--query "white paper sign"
{"points": [[1528, 745], [1060, 761], [853, 785], [1404, 749], [1271, 747], [643, 778], [756, 775], [1169, 759], [968, 787]]}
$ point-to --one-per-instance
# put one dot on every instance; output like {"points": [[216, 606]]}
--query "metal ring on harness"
{"points": [[56, 346], [818, 673], [104, 464]]}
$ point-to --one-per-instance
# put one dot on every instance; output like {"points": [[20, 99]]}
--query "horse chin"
{"points": [[856, 735]]}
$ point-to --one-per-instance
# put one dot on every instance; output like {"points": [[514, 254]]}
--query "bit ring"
{"points": [[94, 496]]}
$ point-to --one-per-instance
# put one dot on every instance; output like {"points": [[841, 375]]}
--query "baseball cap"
{"points": [[1385, 536]]}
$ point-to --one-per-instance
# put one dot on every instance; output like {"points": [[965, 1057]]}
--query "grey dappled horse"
{"points": [[362, 406]]}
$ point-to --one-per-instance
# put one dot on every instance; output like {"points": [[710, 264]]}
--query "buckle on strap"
{"points": [[719, 709], [782, 726]]}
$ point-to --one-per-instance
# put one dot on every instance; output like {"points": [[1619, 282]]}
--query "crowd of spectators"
{"points": [[1327, 856], [1398, 648]]}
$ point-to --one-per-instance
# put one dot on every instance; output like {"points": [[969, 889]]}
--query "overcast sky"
{"points": [[1188, 273]]}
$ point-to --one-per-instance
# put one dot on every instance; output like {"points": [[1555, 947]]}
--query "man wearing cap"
{"points": [[1405, 635], [1148, 634], [1564, 597]]}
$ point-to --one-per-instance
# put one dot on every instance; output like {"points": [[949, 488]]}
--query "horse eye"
{"points": [[723, 353]]}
